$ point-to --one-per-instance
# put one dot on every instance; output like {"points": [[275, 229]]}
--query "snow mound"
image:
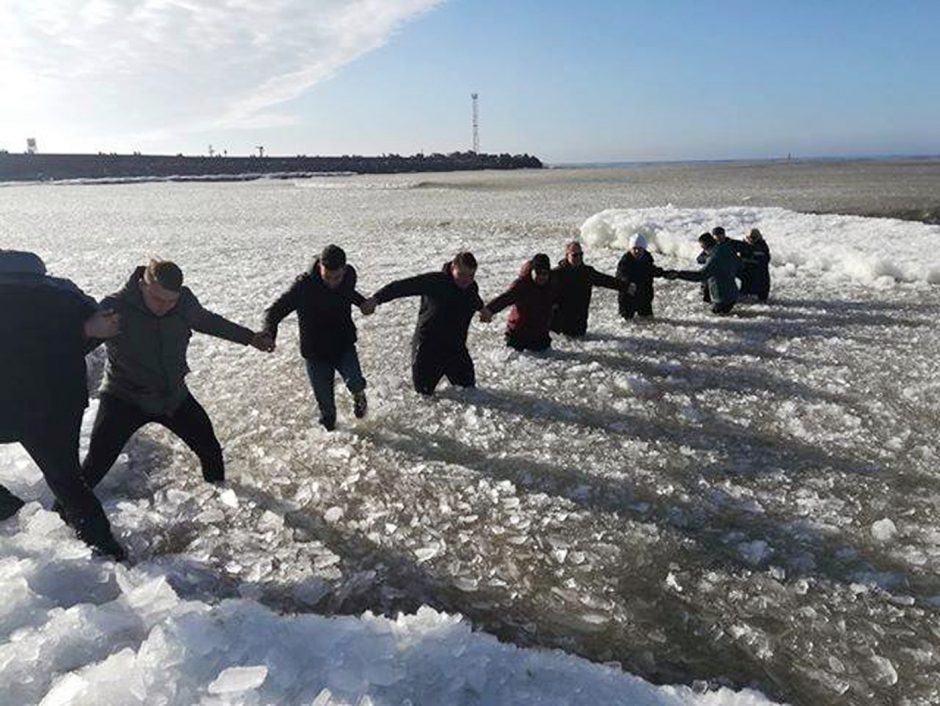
{"points": [[867, 250]]}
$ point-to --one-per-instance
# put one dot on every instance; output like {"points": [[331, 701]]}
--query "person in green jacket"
{"points": [[719, 272], [145, 374]]}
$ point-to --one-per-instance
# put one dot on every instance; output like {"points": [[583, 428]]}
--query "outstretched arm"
{"points": [[409, 287], [281, 308], [599, 279], [212, 324]]}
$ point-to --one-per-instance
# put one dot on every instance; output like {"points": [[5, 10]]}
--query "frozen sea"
{"points": [[739, 510]]}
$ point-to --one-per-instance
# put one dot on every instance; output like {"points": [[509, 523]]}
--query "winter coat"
{"points": [[324, 315], [721, 267], [755, 275], [575, 284], [42, 352], [446, 309], [531, 315], [639, 271], [147, 359]]}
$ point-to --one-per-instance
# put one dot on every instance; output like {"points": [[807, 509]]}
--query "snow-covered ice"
{"points": [[694, 500]]}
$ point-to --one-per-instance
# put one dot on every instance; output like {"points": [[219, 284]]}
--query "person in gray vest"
{"points": [[145, 374], [47, 326]]}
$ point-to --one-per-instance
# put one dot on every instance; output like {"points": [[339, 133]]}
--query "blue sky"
{"points": [[586, 81]]}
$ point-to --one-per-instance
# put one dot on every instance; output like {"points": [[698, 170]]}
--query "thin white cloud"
{"points": [[133, 67]]}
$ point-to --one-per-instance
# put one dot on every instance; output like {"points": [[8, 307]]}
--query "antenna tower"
{"points": [[476, 122]]}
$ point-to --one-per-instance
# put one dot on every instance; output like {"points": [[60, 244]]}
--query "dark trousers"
{"points": [[53, 445], [322, 374], [117, 420], [428, 366], [722, 308], [519, 343], [630, 306]]}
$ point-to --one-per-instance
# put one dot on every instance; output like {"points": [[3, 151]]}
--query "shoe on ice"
{"points": [[328, 424], [9, 504], [360, 404], [109, 547]]}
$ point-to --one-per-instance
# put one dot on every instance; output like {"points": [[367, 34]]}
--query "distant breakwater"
{"points": [[57, 167]]}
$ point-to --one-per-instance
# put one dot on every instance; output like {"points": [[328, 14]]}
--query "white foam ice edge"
{"points": [[878, 251]]}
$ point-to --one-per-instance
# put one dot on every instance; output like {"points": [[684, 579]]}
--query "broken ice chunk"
{"points": [[238, 679]]}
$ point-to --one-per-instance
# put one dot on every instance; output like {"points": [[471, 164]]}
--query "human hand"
{"points": [[486, 315], [631, 288], [671, 274], [263, 341], [103, 324], [368, 306]]}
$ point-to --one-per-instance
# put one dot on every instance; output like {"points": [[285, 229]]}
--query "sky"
{"points": [[588, 81]]}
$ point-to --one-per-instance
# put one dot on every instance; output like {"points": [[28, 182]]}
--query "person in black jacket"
{"points": [[47, 326], [449, 299], [637, 269], [755, 275], [575, 282], [323, 299]]}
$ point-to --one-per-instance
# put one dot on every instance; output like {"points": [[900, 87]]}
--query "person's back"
{"points": [[721, 267]]}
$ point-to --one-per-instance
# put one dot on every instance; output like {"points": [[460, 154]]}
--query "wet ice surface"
{"points": [[748, 501]]}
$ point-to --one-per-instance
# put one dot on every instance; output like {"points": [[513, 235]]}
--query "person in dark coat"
{"points": [[719, 272], [323, 299], [47, 326], [637, 269], [146, 369], [576, 282], [532, 297], [449, 299], [755, 275]]}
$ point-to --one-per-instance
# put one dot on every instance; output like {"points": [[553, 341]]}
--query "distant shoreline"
{"points": [[743, 161], [104, 168]]}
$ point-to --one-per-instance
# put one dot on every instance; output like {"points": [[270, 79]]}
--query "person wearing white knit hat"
{"points": [[636, 267]]}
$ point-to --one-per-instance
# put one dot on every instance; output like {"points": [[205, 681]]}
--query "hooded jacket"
{"points": [[755, 275], [575, 284], [721, 267], [147, 359], [446, 309], [639, 271], [531, 315], [42, 352], [324, 315]]}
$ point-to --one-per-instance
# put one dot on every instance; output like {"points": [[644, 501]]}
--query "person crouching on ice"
{"points": [[721, 268], [449, 298], [531, 296], [323, 299], [145, 375], [636, 268]]}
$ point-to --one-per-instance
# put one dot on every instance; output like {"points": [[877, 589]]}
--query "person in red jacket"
{"points": [[532, 297]]}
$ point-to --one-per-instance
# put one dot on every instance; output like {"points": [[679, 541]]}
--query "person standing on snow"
{"points": [[532, 297], [637, 269], [48, 324], [755, 275], [721, 267], [323, 299], [576, 282], [146, 369], [449, 299]]}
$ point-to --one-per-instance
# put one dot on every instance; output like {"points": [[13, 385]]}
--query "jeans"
{"points": [[117, 420], [322, 374]]}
